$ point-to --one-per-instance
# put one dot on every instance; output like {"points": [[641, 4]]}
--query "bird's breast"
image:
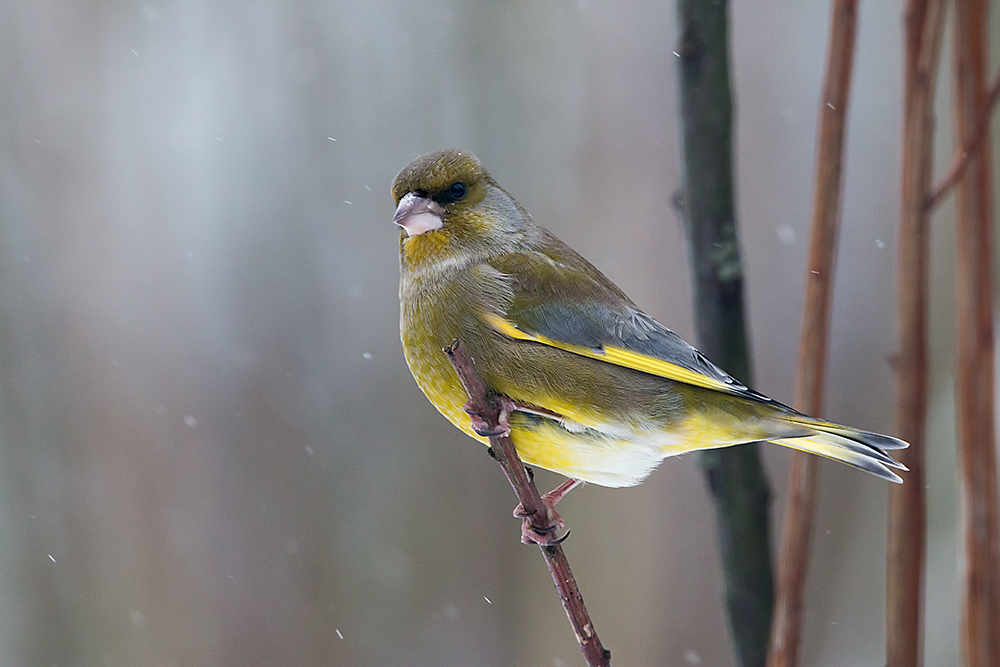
{"points": [[431, 316]]}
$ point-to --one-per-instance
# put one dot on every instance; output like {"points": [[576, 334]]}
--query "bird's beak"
{"points": [[418, 214]]}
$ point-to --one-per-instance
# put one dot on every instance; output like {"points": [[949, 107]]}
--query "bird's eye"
{"points": [[453, 193]]}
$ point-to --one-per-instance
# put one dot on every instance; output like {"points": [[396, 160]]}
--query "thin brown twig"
{"points": [[906, 531], [488, 407], [969, 148], [975, 355], [786, 627]]}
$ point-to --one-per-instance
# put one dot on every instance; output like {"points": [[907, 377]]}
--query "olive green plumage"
{"points": [[604, 391]]}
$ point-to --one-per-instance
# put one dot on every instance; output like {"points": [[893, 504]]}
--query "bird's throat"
{"points": [[424, 249]]}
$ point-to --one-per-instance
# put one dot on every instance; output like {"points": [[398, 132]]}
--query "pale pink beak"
{"points": [[418, 214]]}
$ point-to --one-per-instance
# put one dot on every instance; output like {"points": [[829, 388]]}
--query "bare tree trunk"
{"points": [[735, 476]]}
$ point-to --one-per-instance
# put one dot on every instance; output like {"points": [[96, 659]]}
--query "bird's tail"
{"points": [[861, 449]]}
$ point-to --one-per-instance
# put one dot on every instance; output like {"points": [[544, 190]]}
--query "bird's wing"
{"points": [[635, 341], [573, 307]]}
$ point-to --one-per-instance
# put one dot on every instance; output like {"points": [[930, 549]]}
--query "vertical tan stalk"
{"points": [[974, 374], [907, 503], [786, 627]]}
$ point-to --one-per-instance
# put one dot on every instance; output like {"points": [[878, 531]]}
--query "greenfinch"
{"points": [[600, 391]]}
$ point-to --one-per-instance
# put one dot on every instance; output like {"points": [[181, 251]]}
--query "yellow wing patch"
{"points": [[618, 356]]}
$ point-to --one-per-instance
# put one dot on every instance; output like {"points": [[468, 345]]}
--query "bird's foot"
{"points": [[482, 426], [545, 534], [542, 536]]}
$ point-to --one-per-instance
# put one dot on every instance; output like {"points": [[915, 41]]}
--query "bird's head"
{"points": [[446, 201]]}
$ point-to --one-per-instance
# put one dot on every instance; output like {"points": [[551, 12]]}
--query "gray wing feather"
{"points": [[596, 325]]}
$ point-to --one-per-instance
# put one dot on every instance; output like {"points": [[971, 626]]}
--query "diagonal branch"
{"points": [[488, 407], [969, 148]]}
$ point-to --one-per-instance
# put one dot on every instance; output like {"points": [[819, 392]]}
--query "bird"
{"points": [[598, 391]]}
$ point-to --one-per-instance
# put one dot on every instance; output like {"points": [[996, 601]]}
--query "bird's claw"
{"points": [[482, 426], [542, 536], [483, 429], [546, 536]]}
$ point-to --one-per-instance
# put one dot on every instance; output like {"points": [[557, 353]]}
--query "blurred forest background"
{"points": [[211, 449]]}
